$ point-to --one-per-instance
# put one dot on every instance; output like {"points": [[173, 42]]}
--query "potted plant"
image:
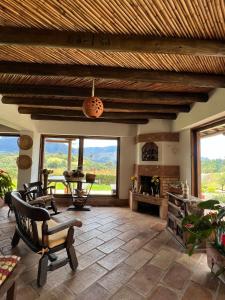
{"points": [[133, 183], [208, 230], [6, 184]]}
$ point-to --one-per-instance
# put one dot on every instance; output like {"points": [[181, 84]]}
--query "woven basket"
{"points": [[25, 142], [90, 178], [24, 162]]}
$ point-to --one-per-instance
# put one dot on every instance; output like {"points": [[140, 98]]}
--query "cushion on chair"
{"points": [[53, 239]]}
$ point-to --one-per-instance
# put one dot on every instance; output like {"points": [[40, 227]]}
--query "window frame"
{"points": [[80, 155], [196, 154]]}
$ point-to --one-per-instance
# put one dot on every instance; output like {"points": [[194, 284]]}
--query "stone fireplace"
{"points": [[166, 174], [157, 156]]}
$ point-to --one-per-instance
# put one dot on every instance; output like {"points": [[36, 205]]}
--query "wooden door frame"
{"points": [[196, 152]]}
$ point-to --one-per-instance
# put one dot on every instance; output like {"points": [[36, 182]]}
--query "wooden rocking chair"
{"points": [[44, 236], [36, 195]]}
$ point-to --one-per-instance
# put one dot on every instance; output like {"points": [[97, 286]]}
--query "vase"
{"points": [[156, 190]]}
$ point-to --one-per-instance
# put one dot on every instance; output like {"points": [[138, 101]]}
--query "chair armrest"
{"points": [[64, 225], [36, 201]]}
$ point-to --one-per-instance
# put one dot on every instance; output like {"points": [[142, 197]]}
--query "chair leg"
{"points": [[54, 207], [72, 257], [42, 270], [15, 239]]}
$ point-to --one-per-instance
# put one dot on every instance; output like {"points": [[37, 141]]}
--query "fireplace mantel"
{"points": [[161, 202]]}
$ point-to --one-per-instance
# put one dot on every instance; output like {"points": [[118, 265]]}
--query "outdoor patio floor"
{"points": [[122, 255]]}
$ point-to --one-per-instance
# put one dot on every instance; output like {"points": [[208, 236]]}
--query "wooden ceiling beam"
{"points": [[113, 106], [113, 73], [21, 89], [105, 115], [107, 42], [84, 119]]}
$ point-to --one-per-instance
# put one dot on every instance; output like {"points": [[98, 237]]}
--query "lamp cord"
{"points": [[93, 88]]}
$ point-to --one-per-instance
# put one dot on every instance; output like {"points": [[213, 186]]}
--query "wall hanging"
{"points": [[24, 162], [25, 142]]}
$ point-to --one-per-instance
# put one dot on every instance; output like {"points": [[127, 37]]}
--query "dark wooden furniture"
{"points": [[44, 236], [36, 194], [138, 197], [9, 286], [79, 195], [178, 208]]}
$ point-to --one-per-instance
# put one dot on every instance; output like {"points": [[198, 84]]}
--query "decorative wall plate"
{"points": [[24, 162], [25, 142]]}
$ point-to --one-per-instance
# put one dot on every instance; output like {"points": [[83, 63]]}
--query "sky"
{"points": [[213, 146]]}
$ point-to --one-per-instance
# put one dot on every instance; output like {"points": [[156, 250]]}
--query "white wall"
{"points": [[185, 156], [202, 112], [155, 125], [127, 160], [85, 128], [6, 129], [10, 117], [30, 174]]}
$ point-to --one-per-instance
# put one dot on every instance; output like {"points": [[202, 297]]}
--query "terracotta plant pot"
{"points": [[215, 260]]}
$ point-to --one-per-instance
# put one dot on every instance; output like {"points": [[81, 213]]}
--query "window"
{"points": [[209, 161], [95, 155], [9, 151], [100, 158]]}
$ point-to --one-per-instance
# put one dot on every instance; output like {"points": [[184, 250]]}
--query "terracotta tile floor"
{"points": [[122, 255]]}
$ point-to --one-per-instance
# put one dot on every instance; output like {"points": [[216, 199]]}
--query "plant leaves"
{"points": [[209, 204]]}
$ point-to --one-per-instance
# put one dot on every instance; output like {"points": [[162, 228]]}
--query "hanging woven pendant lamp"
{"points": [[93, 106]]}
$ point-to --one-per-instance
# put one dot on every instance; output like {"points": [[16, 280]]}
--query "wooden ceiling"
{"points": [[219, 129], [150, 59]]}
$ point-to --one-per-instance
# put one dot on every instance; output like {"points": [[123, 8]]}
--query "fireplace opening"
{"points": [[148, 208], [149, 186]]}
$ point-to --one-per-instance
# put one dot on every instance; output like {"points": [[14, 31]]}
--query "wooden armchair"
{"points": [[44, 236], [37, 195]]}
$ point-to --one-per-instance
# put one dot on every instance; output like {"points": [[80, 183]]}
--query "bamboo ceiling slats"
{"points": [[179, 63], [184, 18], [99, 83]]}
